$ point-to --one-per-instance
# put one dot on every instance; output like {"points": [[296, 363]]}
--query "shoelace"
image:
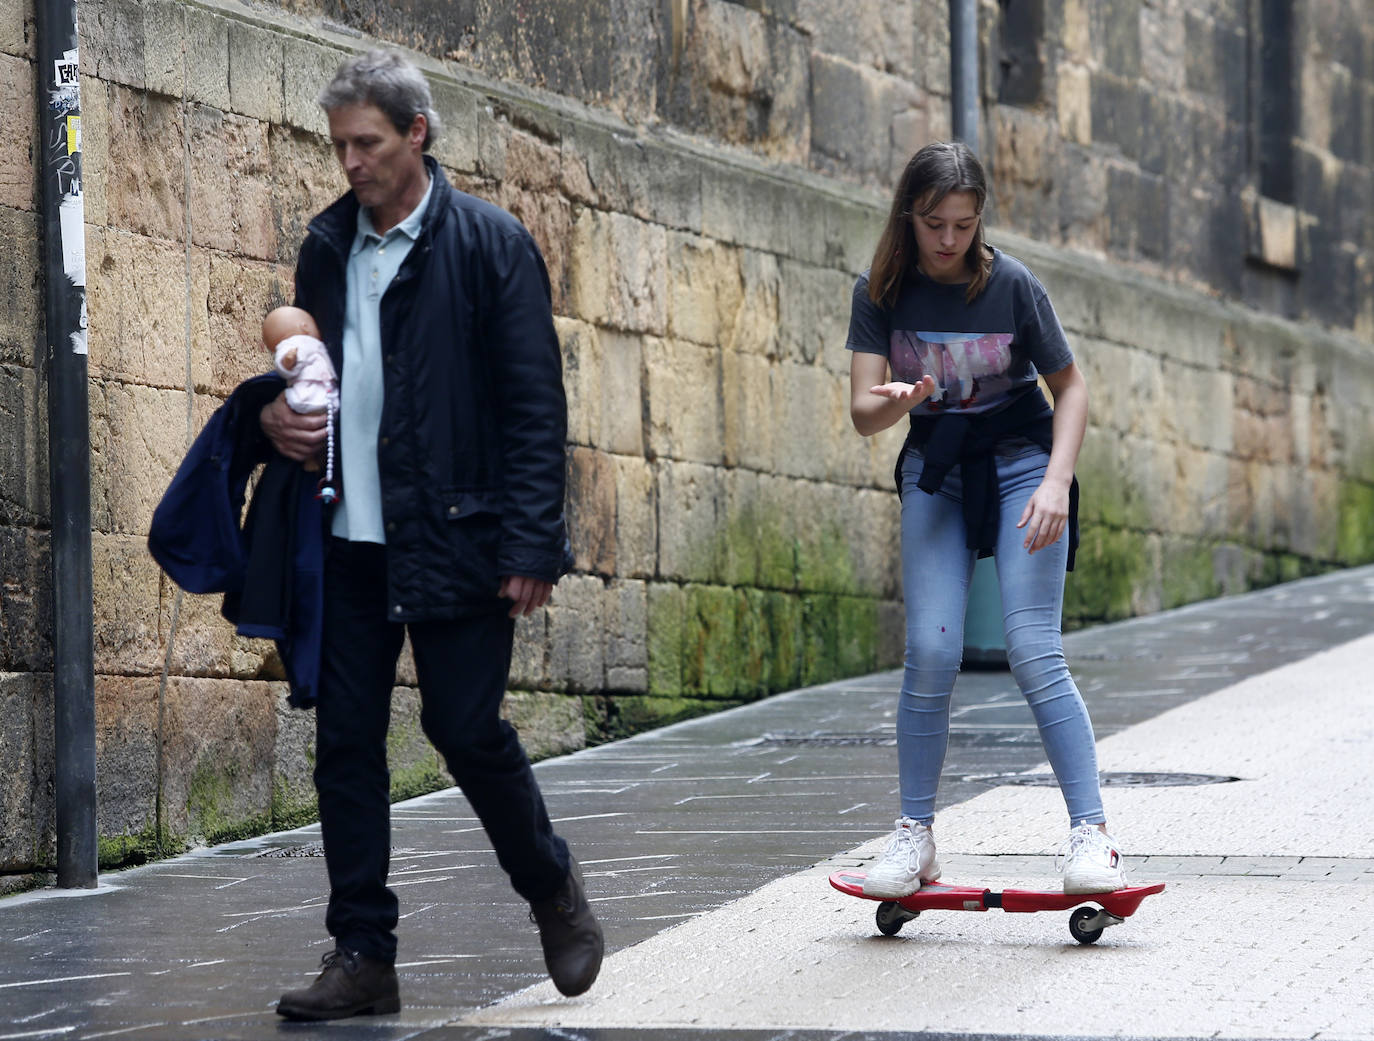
{"points": [[902, 836], [1078, 838], [349, 959], [562, 904]]}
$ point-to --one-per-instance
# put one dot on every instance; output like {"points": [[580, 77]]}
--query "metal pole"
{"points": [[69, 460], [985, 644], [963, 68]]}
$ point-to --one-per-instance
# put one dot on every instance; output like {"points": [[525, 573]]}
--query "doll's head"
{"points": [[282, 322]]}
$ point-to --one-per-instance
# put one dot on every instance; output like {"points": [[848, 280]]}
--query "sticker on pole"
{"points": [[66, 71], [66, 84]]}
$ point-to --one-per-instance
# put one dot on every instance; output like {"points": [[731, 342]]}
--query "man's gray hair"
{"points": [[387, 80]]}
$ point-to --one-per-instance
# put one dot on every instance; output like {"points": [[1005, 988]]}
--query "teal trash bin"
{"points": [[985, 641]]}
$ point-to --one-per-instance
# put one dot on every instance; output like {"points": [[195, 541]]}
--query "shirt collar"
{"points": [[410, 227]]}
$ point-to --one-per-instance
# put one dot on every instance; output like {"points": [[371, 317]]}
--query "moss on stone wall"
{"points": [[418, 778], [214, 812], [1188, 573], [612, 718], [783, 615], [710, 642], [667, 606], [291, 811], [129, 850], [1111, 564], [1355, 543]]}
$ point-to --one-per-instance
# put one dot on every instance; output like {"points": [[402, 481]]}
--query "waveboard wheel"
{"points": [[891, 916], [1076, 927]]}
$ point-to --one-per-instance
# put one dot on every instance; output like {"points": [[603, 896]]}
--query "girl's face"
{"points": [[943, 237]]}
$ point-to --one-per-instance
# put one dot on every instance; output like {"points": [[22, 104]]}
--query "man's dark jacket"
{"points": [[471, 445]]}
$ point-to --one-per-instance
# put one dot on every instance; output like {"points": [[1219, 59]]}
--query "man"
{"points": [[436, 310]]}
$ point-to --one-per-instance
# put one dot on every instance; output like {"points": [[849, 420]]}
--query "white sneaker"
{"points": [[1090, 861], [908, 861]]}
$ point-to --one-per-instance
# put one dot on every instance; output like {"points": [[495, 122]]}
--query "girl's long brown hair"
{"points": [[932, 173]]}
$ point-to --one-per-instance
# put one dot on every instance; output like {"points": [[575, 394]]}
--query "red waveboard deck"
{"points": [[936, 896], [1086, 923]]}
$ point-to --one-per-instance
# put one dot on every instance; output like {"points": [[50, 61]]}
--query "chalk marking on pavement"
{"points": [[427, 962], [588, 817], [128, 1030], [624, 860], [552, 789], [49, 1032], [617, 872], [417, 869], [227, 879], [699, 779], [63, 979], [762, 831], [750, 795], [667, 917], [407, 818], [216, 1019], [421, 881], [265, 910], [398, 857]]}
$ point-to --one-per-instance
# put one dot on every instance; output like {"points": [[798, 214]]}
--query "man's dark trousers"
{"points": [[462, 667]]}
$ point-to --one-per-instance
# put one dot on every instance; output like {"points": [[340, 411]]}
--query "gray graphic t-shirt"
{"points": [[980, 354]]}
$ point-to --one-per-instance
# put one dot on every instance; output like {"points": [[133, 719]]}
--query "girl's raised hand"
{"points": [[911, 393]]}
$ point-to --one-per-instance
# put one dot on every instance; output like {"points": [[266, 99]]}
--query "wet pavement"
{"points": [[687, 827]]}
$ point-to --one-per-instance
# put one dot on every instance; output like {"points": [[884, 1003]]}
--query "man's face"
{"points": [[380, 163]]}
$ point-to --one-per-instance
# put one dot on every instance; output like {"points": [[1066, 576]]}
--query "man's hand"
{"points": [[528, 594], [299, 436]]}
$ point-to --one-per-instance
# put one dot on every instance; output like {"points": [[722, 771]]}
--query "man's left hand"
{"points": [[528, 594]]}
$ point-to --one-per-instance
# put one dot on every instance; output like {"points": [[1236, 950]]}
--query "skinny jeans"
{"points": [[937, 569], [462, 666]]}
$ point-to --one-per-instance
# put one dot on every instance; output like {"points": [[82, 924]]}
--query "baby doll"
{"points": [[300, 356]]}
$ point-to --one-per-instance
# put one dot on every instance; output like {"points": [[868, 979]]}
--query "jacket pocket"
{"points": [[458, 503], [470, 519]]}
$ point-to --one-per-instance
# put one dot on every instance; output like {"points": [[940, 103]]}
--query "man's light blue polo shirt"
{"points": [[372, 264]]}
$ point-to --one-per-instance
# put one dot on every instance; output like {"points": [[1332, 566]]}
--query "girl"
{"points": [[987, 468]]}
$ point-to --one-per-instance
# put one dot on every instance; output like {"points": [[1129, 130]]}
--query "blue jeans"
{"points": [[937, 568]]}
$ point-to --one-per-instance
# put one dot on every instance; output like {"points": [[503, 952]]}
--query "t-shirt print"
{"points": [[971, 370]]}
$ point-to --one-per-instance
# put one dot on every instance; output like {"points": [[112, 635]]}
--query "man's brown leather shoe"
{"points": [[572, 940], [350, 985]]}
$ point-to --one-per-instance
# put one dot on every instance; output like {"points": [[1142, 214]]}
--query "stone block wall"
{"points": [[703, 202], [1224, 145]]}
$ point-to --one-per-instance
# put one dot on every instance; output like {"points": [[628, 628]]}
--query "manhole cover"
{"points": [[312, 849], [886, 738], [959, 737], [1114, 780]]}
